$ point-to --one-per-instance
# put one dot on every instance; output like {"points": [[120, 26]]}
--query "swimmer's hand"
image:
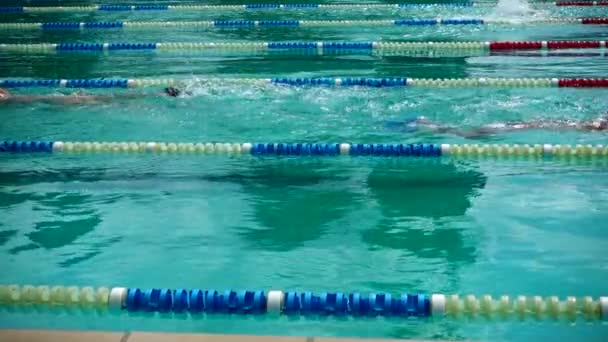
{"points": [[394, 124], [407, 125]]}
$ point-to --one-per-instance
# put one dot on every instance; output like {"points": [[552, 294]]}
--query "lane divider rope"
{"points": [[308, 47], [581, 3], [306, 303], [121, 8], [289, 23], [313, 149], [315, 81]]}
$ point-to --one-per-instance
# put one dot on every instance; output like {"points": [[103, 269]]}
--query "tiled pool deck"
{"points": [[7, 335]]}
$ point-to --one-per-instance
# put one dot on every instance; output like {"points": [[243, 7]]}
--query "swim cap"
{"points": [[601, 123], [4, 94], [172, 91]]}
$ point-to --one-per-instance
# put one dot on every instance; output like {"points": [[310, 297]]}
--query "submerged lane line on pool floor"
{"points": [[292, 23], [305, 303], [376, 82], [312, 149]]}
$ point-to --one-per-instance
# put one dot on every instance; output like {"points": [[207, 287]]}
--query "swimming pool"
{"points": [[469, 225]]}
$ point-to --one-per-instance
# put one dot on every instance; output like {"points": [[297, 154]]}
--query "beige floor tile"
{"points": [[57, 336], [331, 339], [92, 336], [155, 337]]}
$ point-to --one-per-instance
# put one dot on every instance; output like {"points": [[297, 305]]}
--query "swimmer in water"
{"points": [[77, 98], [423, 124]]}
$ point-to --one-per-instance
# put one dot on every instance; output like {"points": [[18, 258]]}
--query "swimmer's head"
{"points": [[422, 120], [600, 124], [172, 91], [4, 94]]}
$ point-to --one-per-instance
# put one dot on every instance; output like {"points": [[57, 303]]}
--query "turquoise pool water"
{"points": [[352, 224]]}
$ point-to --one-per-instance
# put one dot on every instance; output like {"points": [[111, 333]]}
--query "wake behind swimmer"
{"points": [[80, 98], [423, 124]]}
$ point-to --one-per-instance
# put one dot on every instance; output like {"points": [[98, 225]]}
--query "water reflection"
{"points": [[293, 202], [29, 177], [5, 235], [8, 199], [414, 202], [67, 217]]}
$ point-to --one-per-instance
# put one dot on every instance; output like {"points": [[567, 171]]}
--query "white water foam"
{"points": [[515, 12]]}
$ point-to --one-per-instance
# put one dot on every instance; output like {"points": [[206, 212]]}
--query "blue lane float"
{"points": [[233, 23], [104, 24], [262, 6], [71, 83], [415, 22], [374, 82], [26, 146], [104, 46], [11, 9], [195, 301], [304, 81], [292, 45], [101, 83], [29, 83], [386, 150], [132, 46], [80, 47], [279, 23], [132, 8], [461, 22], [77, 25], [348, 46], [250, 23], [114, 8], [151, 7], [301, 6], [294, 303], [61, 25]]}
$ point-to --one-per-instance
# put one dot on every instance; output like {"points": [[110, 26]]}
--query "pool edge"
{"points": [[18, 335]]}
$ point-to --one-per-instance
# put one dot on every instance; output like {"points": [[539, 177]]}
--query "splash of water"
{"points": [[515, 11], [513, 8]]}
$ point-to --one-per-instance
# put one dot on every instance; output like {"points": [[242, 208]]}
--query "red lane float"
{"points": [[582, 3], [583, 83], [588, 44], [595, 21], [516, 45], [574, 44]]}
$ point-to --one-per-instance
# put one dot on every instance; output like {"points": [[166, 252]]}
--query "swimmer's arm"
{"points": [[24, 99], [138, 95], [132, 95], [452, 130], [75, 98], [471, 133]]}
